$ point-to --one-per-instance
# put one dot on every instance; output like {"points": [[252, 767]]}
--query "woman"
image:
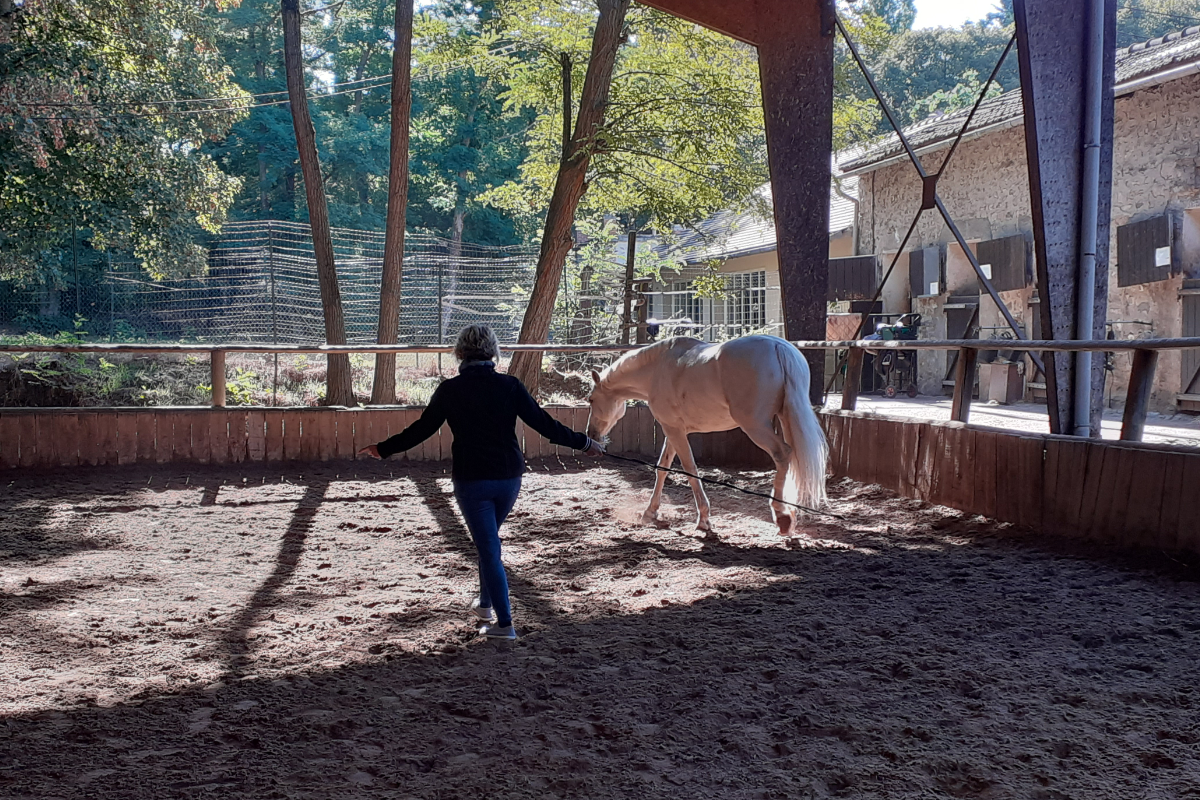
{"points": [[481, 407]]}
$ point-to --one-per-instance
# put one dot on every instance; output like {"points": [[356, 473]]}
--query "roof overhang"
{"points": [[1120, 90]]}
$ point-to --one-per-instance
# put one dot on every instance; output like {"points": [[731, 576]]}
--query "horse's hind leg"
{"points": [[689, 464], [781, 453], [650, 515]]}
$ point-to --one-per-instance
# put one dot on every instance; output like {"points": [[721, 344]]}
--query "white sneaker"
{"points": [[485, 614], [493, 631]]}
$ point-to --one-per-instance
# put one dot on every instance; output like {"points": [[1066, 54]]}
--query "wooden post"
{"points": [[627, 309], [853, 384], [1141, 381], [964, 384], [217, 365]]}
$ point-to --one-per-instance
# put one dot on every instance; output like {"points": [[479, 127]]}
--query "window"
{"points": [[1144, 251], [853, 278], [1005, 262], [685, 304], [745, 303]]}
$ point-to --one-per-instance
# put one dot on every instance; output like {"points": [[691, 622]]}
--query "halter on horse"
{"points": [[756, 383]]}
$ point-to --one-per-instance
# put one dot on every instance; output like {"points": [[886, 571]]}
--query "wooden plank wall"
{"points": [[1119, 492], [66, 437]]}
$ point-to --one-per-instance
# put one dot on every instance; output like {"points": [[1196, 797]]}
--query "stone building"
{"points": [[1154, 255], [740, 246]]}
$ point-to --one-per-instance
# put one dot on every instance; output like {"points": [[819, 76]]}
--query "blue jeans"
{"points": [[485, 505]]}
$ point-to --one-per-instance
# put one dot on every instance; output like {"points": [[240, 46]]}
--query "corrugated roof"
{"points": [[729, 234], [1138, 61]]}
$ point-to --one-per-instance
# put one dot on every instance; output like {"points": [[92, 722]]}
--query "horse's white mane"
{"points": [[626, 359]]}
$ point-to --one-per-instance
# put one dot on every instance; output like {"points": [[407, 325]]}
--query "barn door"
{"points": [[1191, 327]]}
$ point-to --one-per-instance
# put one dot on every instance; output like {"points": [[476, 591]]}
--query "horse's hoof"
{"points": [[704, 525], [650, 518], [785, 525]]}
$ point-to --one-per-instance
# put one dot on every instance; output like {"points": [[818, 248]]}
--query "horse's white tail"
{"points": [[805, 483]]}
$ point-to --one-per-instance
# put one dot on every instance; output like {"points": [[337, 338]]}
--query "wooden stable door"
{"points": [[1190, 374]]}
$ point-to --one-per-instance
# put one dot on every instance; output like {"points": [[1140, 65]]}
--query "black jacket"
{"points": [[481, 407]]}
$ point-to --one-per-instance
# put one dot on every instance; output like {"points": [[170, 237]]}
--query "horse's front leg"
{"points": [[650, 515], [688, 462]]}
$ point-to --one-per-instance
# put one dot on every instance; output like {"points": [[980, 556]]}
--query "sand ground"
{"points": [[300, 632]]}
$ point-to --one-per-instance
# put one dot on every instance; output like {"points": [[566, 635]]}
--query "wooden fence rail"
{"points": [[65, 437], [1145, 351], [1125, 493], [1119, 492]]}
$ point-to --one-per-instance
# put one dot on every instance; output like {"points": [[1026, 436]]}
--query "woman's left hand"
{"points": [[370, 450], [594, 449]]}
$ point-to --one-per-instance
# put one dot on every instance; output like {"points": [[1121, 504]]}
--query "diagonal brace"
{"points": [[930, 192]]}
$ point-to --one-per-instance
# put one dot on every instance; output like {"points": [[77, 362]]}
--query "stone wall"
{"points": [[1156, 169]]}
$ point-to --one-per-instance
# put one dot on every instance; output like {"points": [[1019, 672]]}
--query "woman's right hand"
{"points": [[370, 450]]}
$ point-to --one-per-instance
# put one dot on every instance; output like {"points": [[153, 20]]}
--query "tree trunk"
{"points": [[6, 15], [339, 391], [569, 189], [383, 390], [264, 202]]}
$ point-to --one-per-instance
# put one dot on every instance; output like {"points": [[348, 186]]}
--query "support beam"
{"points": [[853, 382], [731, 19], [1052, 55], [217, 369], [964, 384], [796, 67], [1141, 382]]}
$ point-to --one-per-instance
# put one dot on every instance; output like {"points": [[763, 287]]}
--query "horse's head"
{"points": [[607, 408]]}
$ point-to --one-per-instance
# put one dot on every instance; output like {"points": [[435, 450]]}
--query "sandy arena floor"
{"points": [[262, 633]]}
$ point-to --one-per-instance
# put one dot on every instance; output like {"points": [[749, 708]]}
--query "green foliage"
{"points": [[465, 140], [931, 69], [711, 283], [1141, 20], [962, 95], [86, 139], [684, 131], [898, 15]]}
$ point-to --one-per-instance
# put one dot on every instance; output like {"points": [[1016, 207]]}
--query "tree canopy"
{"points": [[105, 128], [98, 130]]}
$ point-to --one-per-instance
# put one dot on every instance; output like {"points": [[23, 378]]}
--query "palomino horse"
{"points": [[756, 383]]}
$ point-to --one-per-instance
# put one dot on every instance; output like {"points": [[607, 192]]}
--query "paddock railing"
{"points": [[1145, 359], [1120, 492]]}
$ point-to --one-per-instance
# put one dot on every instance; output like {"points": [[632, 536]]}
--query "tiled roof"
{"points": [[729, 234], [1138, 61]]}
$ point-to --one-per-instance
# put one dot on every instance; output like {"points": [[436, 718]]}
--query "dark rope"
{"points": [[741, 489]]}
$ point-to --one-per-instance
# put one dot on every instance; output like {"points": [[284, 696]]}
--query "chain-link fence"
{"points": [[262, 287]]}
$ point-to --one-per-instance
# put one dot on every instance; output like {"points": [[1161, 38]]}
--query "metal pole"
{"points": [[112, 311], [274, 325], [626, 311], [440, 306], [75, 263], [1085, 312], [440, 313]]}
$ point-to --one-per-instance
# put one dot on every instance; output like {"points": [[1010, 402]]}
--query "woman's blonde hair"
{"points": [[477, 343]]}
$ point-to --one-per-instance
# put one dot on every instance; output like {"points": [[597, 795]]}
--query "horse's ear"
{"points": [[596, 377]]}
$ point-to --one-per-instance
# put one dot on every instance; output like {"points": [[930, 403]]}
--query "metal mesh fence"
{"points": [[261, 287]]}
